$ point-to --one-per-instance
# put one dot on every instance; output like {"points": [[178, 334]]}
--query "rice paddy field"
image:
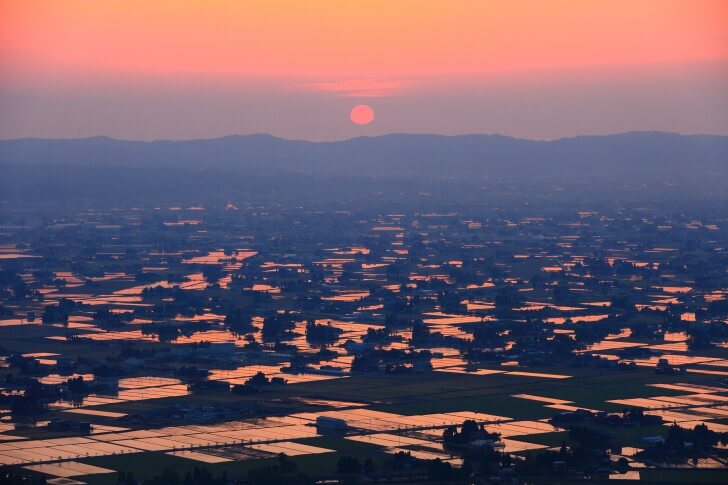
{"points": [[140, 340]]}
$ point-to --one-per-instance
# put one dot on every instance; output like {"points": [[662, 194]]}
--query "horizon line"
{"points": [[383, 135]]}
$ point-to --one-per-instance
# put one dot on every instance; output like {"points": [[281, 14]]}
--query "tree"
{"points": [[54, 314], [348, 465], [439, 470], [259, 379]]}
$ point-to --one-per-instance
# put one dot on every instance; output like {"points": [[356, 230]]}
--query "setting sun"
{"points": [[362, 114]]}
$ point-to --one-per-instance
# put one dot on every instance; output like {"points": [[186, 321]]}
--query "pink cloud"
{"points": [[360, 88]]}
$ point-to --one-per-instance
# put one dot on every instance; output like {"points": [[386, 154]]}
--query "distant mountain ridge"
{"points": [[395, 154]]}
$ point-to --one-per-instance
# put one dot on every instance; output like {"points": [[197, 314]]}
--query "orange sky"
{"points": [[352, 48]]}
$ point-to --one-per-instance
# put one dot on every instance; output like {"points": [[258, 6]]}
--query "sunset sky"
{"points": [[148, 69]]}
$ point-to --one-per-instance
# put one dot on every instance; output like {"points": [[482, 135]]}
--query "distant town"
{"points": [[288, 343]]}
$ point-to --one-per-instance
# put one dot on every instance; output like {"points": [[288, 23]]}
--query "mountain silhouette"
{"points": [[387, 155]]}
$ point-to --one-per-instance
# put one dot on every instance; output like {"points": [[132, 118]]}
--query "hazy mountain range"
{"points": [[388, 168], [396, 154]]}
